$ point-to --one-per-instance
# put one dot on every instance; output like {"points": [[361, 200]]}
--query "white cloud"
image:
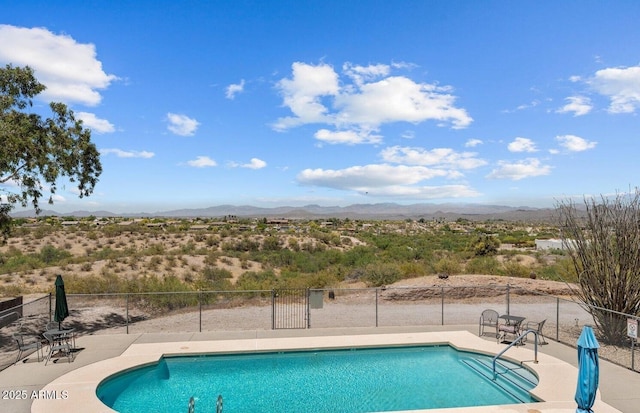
{"points": [[522, 145], [96, 124], [255, 163], [438, 157], [181, 124], [316, 94], [409, 134], [519, 170], [349, 137], [472, 143], [385, 180], [303, 92], [362, 178], [70, 70], [361, 74], [574, 143], [398, 99], [127, 154], [202, 162], [234, 89], [621, 85], [578, 105]]}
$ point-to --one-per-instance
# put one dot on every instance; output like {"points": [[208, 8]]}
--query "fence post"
{"points": [[308, 295], [441, 305], [376, 307], [200, 309], [508, 292], [273, 309], [127, 313], [557, 319], [49, 306]]}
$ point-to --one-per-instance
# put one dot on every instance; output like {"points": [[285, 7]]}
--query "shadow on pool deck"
{"points": [[20, 383]]}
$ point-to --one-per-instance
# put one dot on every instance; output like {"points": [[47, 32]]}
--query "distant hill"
{"points": [[381, 211]]}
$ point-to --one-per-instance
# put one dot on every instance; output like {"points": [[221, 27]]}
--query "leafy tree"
{"points": [[604, 244], [35, 152]]}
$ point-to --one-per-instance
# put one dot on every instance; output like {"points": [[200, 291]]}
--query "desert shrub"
{"points": [[104, 254], [486, 245], [293, 244], [155, 262], [448, 265], [359, 256], [215, 279], [383, 274], [483, 265], [14, 261], [212, 258], [155, 249], [242, 245], [515, 269], [412, 270], [252, 280], [271, 243], [51, 255], [212, 241]]}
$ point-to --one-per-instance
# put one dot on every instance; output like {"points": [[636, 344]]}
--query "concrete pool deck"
{"points": [[70, 387]]}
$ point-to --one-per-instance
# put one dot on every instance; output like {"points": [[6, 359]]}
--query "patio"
{"points": [[20, 384]]}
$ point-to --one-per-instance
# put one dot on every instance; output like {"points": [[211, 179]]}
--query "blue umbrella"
{"points": [[588, 370]]}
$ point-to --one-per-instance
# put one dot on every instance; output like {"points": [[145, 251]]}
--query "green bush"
{"points": [[483, 265], [448, 265], [514, 269], [383, 274]]}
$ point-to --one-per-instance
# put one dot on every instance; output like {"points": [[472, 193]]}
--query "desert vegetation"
{"points": [[98, 255]]}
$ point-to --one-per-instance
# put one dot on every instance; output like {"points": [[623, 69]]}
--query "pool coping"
{"points": [[557, 378]]}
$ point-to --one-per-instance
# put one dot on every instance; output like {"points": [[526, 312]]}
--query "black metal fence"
{"points": [[171, 312]]}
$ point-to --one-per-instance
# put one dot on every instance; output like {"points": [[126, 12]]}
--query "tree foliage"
{"points": [[486, 245], [604, 244], [35, 152]]}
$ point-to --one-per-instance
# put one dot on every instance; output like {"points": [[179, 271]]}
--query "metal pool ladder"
{"points": [[192, 404], [513, 343], [219, 404]]}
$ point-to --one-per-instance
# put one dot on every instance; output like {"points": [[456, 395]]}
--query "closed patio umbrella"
{"points": [[588, 370], [62, 311]]}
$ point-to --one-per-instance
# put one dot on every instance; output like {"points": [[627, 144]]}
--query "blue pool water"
{"points": [[349, 381]]}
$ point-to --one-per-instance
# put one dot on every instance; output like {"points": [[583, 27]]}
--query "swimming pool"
{"points": [[347, 380]]}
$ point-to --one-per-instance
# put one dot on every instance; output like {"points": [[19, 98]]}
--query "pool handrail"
{"points": [[219, 404], [520, 338]]}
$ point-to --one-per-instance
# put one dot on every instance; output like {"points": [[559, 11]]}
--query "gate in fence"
{"points": [[290, 308]]}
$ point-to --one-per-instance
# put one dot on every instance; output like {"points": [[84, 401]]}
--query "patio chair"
{"points": [[537, 327], [58, 345], [488, 318], [25, 344]]}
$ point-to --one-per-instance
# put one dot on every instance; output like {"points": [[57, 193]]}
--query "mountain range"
{"points": [[380, 211]]}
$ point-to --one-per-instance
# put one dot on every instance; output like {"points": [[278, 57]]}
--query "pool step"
{"points": [[513, 379]]}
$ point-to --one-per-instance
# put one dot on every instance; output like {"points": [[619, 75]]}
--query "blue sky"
{"points": [[201, 103]]}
